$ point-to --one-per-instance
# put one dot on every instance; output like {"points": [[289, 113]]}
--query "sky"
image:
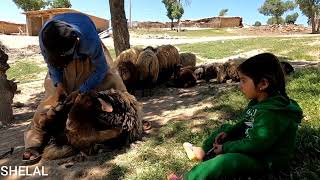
{"points": [[154, 10]]}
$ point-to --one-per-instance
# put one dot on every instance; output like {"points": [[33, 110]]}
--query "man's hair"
{"points": [[58, 38], [265, 66]]}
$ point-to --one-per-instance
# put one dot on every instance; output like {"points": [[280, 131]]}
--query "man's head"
{"points": [[60, 40]]}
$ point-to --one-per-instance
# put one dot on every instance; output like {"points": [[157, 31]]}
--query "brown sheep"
{"points": [[184, 78], [131, 54], [188, 59], [228, 70], [129, 74], [287, 68], [98, 117], [169, 58], [148, 67]]}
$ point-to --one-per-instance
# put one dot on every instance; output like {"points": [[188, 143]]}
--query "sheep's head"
{"points": [[127, 70], [199, 73]]}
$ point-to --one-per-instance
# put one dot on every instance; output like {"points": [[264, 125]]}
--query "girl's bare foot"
{"points": [[194, 153], [173, 176]]}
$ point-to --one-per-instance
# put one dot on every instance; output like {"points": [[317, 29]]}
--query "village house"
{"points": [[35, 19]]}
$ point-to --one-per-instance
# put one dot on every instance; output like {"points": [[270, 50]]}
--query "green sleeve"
{"points": [[265, 131], [236, 129]]}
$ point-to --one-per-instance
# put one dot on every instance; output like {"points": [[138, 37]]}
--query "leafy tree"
{"points": [[30, 5], [177, 12], [311, 9], [223, 12], [257, 23], [274, 20], [174, 10], [276, 8], [168, 6], [59, 4], [292, 18]]}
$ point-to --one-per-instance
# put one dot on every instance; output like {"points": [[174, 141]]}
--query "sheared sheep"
{"points": [[188, 59], [168, 57], [148, 67]]}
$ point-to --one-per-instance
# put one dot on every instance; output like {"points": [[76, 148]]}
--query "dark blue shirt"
{"points": [[89, 46]]}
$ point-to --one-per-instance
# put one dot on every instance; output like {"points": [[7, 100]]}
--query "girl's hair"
{"points": [[265, 66]]}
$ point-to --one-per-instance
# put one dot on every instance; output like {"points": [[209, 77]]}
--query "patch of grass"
{"points": [[25, 71], [163, 153], [291, 48], [186, 33]]}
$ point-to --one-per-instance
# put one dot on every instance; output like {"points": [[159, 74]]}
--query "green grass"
{"points": [[291, 48], [186, 33], [163, 153], [25, 71]]}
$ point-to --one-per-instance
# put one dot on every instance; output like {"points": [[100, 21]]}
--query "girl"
{"points": [[264, 138]]}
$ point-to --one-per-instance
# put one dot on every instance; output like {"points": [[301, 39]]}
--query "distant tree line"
{"points": [[33, 5], [276, 8]]}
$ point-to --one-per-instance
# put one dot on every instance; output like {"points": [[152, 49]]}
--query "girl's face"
{"points": [[247, 86]]}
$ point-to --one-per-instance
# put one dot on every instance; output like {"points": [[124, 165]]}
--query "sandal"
{"points": [[146, 125], [188, 147], [31, 156]]}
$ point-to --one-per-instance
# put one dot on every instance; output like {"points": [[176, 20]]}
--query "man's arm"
{"points": [[56, 74], [98, 59]]}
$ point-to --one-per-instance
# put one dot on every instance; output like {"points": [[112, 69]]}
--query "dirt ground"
{"points": [[165, 105]]}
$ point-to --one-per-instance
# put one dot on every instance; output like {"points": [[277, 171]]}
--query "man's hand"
{"points": [[61, 91], [217, 149], [72, 97], [219, 139]]}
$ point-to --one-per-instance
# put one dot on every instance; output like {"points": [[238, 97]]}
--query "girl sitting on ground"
{"points": [[264, 138]]}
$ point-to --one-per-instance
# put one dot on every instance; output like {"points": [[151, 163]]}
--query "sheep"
{"points": [[228, 70], [168, 57], [184, 77], [98, 117], [129, 54], [188, 59], [287, 68], [148, 67], [129, 74]]}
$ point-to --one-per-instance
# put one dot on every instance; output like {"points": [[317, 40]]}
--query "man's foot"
{"points": [[31, 156], [188, 147]]}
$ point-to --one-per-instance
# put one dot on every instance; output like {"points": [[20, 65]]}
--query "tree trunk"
{"points": [[119, 26], [171, 24], [313, 24], [7, 90], [6, 115], [178, 28], [318, 26]]}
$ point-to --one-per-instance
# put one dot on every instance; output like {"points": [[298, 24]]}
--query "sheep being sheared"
{"points": [[99, 117], [148, 67]]}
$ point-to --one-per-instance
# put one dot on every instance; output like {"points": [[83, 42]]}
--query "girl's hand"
{"points": [[219, 139], [217, 149]]}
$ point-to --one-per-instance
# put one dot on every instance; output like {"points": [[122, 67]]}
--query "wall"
{"points": [[10, 28]]}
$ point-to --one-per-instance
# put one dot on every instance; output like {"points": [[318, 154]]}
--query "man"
{"points": [[76, 61]]}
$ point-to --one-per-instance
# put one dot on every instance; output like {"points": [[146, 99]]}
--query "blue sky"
{"points": [[154, 10]]}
